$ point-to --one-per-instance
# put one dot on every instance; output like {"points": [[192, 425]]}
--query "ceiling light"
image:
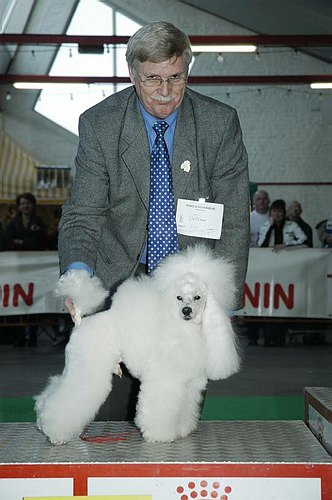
{"points": [[224, 48], [66, 87], [322, 85]]}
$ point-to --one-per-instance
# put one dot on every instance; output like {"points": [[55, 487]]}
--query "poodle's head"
{"points": [[192, 276], [190, 296]]}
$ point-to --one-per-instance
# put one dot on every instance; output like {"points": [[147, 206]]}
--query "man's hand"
{"points": [[74, 313]]}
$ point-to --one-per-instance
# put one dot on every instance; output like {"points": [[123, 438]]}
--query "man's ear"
{"points": [[131, 76]]}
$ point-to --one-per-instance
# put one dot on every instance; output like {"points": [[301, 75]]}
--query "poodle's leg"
{"points": [[158, 413], [71, 400], [191, 405]]}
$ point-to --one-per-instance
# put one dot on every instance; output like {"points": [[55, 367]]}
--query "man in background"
{"points": [[259, 214]]}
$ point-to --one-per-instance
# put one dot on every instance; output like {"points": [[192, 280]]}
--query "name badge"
{"points": [[200, 219]]}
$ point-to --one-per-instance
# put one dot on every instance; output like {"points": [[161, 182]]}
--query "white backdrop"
{"points": [[291, 283]]}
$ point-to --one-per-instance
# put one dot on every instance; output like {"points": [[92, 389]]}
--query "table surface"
{"points": [[213, 441]]}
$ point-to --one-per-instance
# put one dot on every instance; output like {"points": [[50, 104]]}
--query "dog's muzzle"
{"points": [[187, 311]]}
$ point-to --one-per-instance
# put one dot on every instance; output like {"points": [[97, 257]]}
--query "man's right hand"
{"points": [[71, 308]]}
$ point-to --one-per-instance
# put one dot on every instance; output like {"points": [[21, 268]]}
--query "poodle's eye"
{"points": [[179, 297], [197, 297]]}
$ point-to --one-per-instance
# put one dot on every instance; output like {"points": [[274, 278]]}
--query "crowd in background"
{"points": [[273, 224], [280, 226]]}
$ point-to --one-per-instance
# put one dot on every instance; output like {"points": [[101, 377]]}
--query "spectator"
{"points": [[279, 233], [259, 215], [324, 232], [294, 214], [26, 231], [10, 213]]}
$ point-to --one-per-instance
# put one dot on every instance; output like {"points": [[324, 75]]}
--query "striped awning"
{"points": [[20, 173]]}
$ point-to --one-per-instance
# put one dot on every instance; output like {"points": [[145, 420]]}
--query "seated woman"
{"points": [[26, 231], [278, 232]]}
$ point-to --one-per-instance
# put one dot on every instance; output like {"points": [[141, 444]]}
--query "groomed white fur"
{"points": [[87, 293], [173, 333]]}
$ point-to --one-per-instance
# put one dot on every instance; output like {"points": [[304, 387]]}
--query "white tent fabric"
{"points": [[21, 173]]}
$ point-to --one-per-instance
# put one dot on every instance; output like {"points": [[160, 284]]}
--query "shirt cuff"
{"points": [[80, 265]]}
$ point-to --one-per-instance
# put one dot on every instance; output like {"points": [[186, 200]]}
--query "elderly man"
{"points": [[259, 215], [294, 212]]}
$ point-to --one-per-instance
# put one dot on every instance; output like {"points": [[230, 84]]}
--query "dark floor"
{"points": [[266, 370]]}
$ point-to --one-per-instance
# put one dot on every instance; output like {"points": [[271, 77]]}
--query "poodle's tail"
{"points": [[87, 293]]}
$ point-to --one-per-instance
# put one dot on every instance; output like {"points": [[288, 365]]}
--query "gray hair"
{"points": [[157, 42]]}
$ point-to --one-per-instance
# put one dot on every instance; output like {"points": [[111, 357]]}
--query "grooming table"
{"points": [[223, 460]]}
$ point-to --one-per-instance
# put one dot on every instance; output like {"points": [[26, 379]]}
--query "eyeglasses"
{"points": [[156, 81]]}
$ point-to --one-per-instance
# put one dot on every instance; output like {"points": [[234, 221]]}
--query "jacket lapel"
{"points": [[134, 149], [184, 149]]}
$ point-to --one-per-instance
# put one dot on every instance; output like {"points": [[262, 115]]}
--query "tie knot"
{"points": [[160, 127]]}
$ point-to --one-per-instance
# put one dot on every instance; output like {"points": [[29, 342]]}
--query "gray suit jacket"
{"points": [[104, 224]]}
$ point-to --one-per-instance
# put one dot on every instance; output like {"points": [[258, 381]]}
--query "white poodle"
{"points": [[171, 330]]}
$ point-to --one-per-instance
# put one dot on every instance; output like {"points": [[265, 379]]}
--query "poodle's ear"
{"points": [[222, 356]]}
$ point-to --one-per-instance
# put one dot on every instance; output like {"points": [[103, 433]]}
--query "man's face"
{"points": [[162, 100], [261, 202], [294, 210]]}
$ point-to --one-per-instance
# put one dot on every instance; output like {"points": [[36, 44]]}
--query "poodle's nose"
{"points": [[186, 311]]}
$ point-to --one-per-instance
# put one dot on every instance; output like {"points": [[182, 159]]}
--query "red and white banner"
{"points": [[27, 283], [291, 283]]}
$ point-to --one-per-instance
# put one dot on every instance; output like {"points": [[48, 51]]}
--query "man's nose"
{"points": [[164, 88]]}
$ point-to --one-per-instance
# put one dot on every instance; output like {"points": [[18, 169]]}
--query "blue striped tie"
{"points": [[162, 232]]}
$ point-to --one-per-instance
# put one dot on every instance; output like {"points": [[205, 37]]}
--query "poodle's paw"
{"points": [[187, 428], [154, 433], [151, 437], [54, 422], [56, 435], [56, 442]]}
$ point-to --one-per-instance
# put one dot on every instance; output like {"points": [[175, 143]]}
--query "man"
{"points": [[294, 214], [324, 232], [104, 226], [259, 215]]}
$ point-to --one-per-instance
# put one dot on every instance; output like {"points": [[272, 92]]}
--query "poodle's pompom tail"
{"points": [[87, 293]]}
